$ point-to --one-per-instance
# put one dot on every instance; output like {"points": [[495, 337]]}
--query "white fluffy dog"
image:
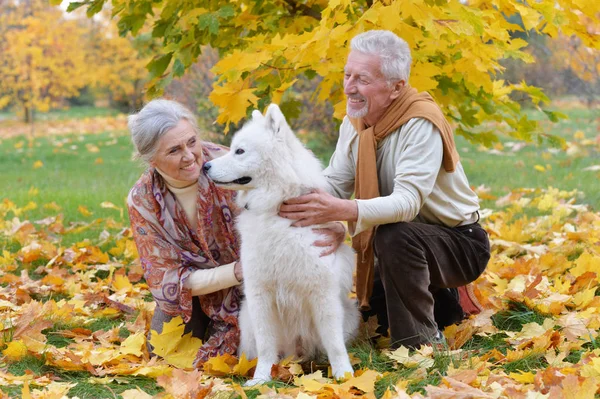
{"points": [[293, 297]]}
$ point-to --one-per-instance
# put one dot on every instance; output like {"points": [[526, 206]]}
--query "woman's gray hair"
{"points": [[152, 122], [393, 52]]}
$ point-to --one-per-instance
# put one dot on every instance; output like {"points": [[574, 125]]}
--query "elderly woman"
{"points": [[183, 226]]}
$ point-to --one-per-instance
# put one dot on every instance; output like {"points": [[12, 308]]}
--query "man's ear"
{"points": [[397, 89], [275, 118]]}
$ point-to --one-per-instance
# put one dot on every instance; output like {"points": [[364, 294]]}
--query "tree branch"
{"points": [[302, 9]]}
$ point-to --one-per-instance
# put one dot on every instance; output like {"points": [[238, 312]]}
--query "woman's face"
{"points": [[179, 153]]}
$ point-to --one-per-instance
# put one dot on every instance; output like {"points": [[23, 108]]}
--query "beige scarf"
{"points": [[410, 104]]}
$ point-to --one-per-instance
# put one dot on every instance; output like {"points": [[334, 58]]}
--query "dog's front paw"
{"points": [[343, 372], [256, 381]]}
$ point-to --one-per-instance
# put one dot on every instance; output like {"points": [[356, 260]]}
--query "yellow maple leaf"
{"points": [[122, 283], [110, 205], [134, 344], [84, 211], [523, 377], [217, 366], [423, 76], [278, 94], [38, 164], [25, 393], [15, 351], [402, 356], [244, 365], [365, 381], [233, 100], [583, 298], [177, 349], [575, 389], [311, 382], [586, 263], [539, 168]]}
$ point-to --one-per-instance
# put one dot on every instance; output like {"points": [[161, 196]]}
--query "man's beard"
{"points": [[361, 113]]}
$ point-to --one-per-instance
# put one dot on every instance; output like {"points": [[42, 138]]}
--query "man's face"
{"points": [[368, 94]]}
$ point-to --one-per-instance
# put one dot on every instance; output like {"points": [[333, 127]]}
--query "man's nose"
{"points": [[349, 87], [206, 166]]}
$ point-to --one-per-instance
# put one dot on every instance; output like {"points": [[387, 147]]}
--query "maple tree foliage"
{"points": [[264, 46]]}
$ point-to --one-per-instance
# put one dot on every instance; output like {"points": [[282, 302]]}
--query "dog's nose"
{"points": [[206, 166]]}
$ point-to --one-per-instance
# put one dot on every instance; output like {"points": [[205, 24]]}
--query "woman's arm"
{"points": [[207, 281]]}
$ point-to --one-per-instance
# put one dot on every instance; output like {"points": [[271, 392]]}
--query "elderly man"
{"points": [[413, 209]]}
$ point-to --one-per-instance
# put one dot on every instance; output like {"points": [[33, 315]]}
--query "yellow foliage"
{"points": [[43, 60], [15, 351], [177, 349]]}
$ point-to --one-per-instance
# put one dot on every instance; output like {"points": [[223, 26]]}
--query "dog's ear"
{"points": [[275, 118], [257, 115]]}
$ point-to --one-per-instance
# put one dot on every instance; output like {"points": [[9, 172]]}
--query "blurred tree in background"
{"points": [[50, 58], [42, 60], [118, 64]]}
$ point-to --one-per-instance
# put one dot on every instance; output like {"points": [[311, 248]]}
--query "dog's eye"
{"points": [[239, 151]]}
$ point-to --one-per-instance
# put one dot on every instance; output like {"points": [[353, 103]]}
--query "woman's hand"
{"points": [[237, 271], [333, 237]]}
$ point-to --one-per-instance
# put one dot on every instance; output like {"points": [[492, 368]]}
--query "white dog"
{"points": [[293, 297]]}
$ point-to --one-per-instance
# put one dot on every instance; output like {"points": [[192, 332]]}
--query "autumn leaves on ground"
{"points": [[75, 311]]}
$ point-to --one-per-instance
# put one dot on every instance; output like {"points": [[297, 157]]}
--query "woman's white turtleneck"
{"points": [[202, 281]]}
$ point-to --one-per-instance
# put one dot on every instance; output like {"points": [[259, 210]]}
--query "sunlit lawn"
{"points": [[88, 170]]}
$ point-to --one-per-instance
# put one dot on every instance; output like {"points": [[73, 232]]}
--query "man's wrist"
{"points": [[350, 211]]}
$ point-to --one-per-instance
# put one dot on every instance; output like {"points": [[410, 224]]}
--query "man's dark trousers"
{"points": [[417, 262]]}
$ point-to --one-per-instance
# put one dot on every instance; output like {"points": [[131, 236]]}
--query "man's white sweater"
{"points": [[413, 184]]}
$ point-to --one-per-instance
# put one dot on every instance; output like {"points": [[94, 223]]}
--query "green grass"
{"points": [[510, 170], [532, 363], [85, 388], [77, 112], [70, 175], [371, 358], [516, 316]]}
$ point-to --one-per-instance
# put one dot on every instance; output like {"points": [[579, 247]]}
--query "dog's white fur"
{"points": [[292, 295]]}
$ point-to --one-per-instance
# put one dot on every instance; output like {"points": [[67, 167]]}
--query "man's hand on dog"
{"points": [[318, 207]]}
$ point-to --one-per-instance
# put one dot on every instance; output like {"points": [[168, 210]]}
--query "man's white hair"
{"points": [[152, 122], [393, 52]]}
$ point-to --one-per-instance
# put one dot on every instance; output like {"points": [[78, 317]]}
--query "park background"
{"points": [[518, 81]]}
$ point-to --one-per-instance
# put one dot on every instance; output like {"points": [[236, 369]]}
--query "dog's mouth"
{"points": [[241, 181]]}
